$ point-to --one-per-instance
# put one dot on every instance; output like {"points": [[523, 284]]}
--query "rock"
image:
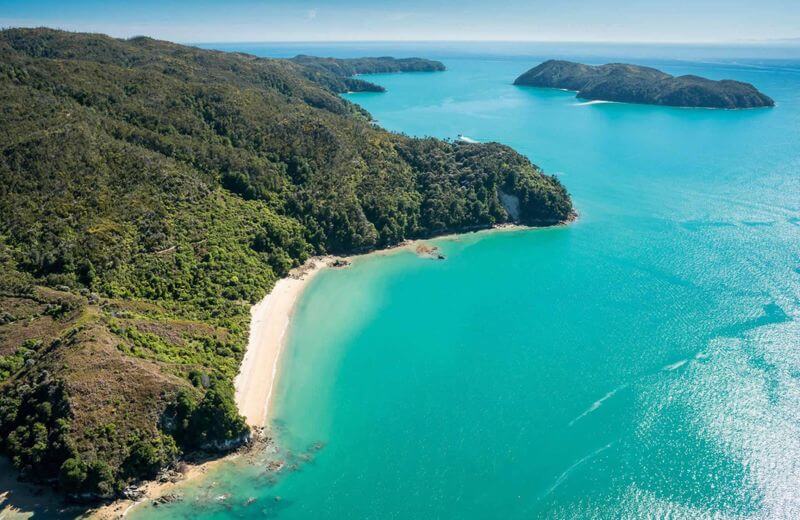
{"points": [[227, 445], [133, 493], [169, 475], [426, 251], [511, 204], [626, 83], [275, 465], [167, 499]]}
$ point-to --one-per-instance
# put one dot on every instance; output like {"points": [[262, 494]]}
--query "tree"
{"points": [[72, 475]]}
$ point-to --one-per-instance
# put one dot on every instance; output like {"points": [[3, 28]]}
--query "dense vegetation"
{"points": [[636, 84], [336, 73], [149, 194]]}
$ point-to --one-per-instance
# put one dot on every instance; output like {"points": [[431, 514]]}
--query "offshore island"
{"points": [[626, 83], [150, 195]]}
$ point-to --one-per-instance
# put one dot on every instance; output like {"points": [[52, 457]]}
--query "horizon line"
{"points": [[792, 40], [795, 41]]}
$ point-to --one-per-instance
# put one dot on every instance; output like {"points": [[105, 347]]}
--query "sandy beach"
{"points": [[270, 321], [154, 489], [268, 326]]}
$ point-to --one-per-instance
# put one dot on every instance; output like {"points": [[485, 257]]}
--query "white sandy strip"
{"points": [[268, 326]]}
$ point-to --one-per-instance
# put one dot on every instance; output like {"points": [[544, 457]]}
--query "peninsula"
{"points": [[636, 84], [336, 73], [152, 193]]}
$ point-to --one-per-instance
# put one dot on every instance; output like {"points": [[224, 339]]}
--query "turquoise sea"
{"points": [[643, 362]]}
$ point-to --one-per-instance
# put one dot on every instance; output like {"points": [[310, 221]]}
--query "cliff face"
{"points": [[635, 84], [149, 194]]}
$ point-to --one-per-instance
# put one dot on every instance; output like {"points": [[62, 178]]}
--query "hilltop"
{"points": [[150, 193], [635, 84]]}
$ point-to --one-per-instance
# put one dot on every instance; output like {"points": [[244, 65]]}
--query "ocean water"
{"points": [[641, 362]]}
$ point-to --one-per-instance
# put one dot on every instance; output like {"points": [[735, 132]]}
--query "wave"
{"points": [[593, 102], [465, 139]]}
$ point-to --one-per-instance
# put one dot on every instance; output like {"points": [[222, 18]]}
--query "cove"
{"points": [[641, 361]]}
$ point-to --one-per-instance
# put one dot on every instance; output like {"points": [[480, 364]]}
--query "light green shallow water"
{"points": [[644, 361]]}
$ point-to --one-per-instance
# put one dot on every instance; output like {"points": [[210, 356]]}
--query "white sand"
{"points": [[268, 327], [269, 324]]}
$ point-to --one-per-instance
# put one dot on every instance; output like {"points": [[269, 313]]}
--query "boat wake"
{"points": [[676, 365], [561, 478], [597, 404]]}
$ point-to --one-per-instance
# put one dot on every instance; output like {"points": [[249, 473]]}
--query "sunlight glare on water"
{"points": [[641, 362]]}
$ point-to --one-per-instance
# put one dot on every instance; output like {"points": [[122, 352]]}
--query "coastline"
{"points": [[260, 367], [156, 489], [271, 318], [269, 323]]}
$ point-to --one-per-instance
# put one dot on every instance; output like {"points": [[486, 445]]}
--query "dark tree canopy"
{"points": [[149, 194], [636, 84]]}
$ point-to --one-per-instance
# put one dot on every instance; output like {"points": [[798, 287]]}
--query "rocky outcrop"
{"points": [[635, 84]]}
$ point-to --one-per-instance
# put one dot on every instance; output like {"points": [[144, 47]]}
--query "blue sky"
{"points": [[326, 20]]}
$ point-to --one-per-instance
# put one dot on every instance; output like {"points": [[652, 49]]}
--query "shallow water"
{"points": [[644, 360]]}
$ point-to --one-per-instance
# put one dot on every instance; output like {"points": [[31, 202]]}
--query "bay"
{"points": [[644, 360]]}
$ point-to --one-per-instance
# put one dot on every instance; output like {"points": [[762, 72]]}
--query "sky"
{"points": [[193, 21]]}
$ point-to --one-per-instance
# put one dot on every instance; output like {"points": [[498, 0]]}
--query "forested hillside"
{"points": [[336, 74], [626, 83], [149, 194]]}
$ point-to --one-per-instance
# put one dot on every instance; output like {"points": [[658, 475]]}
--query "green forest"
{"points": [[150, 193], [337, 74]]}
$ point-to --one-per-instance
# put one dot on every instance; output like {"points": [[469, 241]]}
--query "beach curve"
{"points": [[260, 367], [269, 324]]}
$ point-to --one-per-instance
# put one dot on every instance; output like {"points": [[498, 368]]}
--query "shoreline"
{"points": [[269, 323], [154, 489], [271, 319], [260, 367]]}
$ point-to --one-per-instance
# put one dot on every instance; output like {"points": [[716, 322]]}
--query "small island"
{"points": [[645, 85], [337, 73]]}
